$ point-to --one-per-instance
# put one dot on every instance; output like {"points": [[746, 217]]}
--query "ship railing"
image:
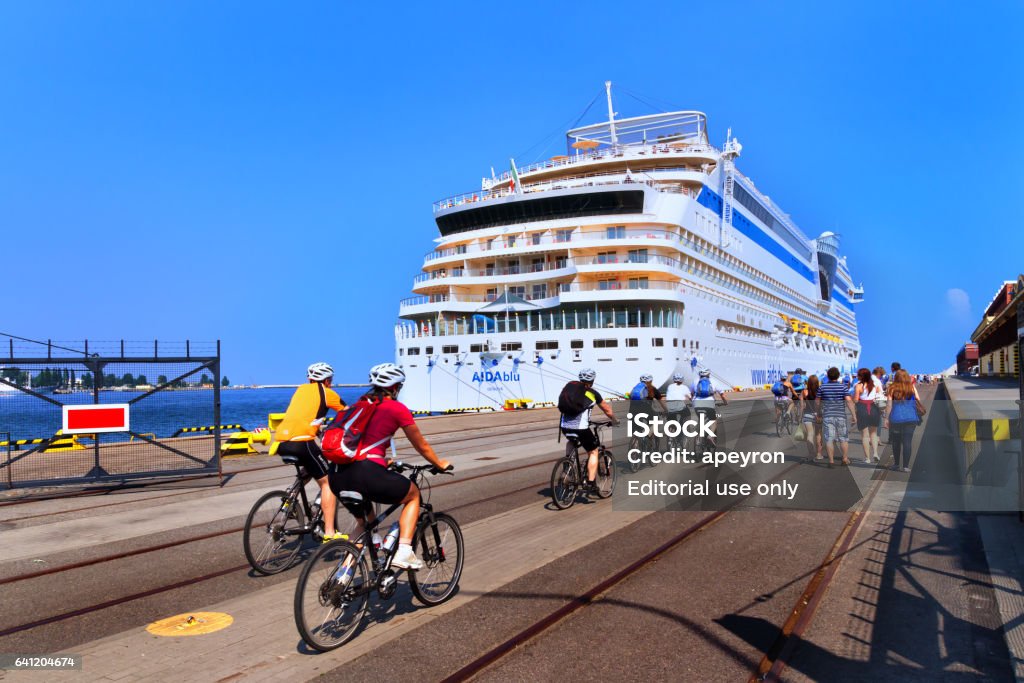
{"points": [[603, 317], [569, 235], [639, 259]]}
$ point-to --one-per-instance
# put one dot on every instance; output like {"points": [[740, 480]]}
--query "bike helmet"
{"points": [[677, 377], [587, 375], [319, 372], [646, 378], [705, 373], [386, 375]]}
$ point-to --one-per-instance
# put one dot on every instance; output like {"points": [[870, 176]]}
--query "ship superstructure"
{"points": [[643, 249]]}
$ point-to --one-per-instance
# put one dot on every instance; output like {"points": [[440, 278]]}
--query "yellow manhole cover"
{"points": [[191, 624]]}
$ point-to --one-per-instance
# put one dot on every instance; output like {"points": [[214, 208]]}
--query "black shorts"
{"points": [[375, 483], [584, 437], [310, 456]]}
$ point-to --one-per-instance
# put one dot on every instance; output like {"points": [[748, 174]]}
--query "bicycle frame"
{"points": [[301, 479]]}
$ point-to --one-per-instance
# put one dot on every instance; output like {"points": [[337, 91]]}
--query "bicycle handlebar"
{"points": [[399, 466]]}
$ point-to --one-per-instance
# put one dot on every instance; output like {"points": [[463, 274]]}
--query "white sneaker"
{"points": [[405, 558], [905, 469]]}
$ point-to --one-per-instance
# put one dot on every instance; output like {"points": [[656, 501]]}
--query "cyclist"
{"points": [[704, 391], [370, 476], [646, 391], [798, 384], [678, 396], [577, 426], [296, 435], [782, 390]]}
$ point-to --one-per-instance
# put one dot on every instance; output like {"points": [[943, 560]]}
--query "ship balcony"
{"points": [[515, 244], [856, 294], [467, 303], [684, 157], [630, 289], [495, 275], [631, 263]]}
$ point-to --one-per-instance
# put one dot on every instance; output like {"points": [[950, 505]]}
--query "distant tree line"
{"points": [[67, 378]]}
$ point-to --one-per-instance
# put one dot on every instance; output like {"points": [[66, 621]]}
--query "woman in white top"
{"points": [[869, 416]]}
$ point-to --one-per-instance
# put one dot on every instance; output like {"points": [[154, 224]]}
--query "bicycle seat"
{"points": [[290, 459], [350, 497]]}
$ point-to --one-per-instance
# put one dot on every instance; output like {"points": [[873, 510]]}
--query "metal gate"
{"points": [[165, 386]]}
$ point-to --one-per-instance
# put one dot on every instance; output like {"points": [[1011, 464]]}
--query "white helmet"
{"points": [[677, 377], [646, 378], [587, 375], [386, 375], [705, 373], [319, 372]]}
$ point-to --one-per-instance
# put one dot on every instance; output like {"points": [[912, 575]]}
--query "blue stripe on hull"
{"points": [[711, 200]]}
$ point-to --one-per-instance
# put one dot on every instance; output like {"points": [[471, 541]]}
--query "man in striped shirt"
{"points": [[833, 402]]}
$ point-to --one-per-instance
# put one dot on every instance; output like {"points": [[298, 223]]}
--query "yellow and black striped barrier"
{"points": [[476, 409], [16, 445], [241, 443], [544, 404], [989, 430], [210, 428], [421, 412]]}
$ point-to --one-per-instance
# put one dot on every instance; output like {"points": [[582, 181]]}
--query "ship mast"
{"points": [[611, 113]]}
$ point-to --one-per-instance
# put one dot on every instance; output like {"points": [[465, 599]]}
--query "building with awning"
{"points": [[996, 334]]}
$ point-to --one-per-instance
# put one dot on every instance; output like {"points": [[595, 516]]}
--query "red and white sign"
{"points": [[90, 419]]}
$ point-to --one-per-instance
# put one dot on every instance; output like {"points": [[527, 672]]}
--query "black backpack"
{"points": [[573, 400]]}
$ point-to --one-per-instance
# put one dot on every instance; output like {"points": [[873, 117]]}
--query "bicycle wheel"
{"points": [[605, 474], [270, 546], [788, 426], [442, 556], [636, 443], [331, 596], [564, 484]]}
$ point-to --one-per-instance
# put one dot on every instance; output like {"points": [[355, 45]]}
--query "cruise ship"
{"points": [[641, 250]]}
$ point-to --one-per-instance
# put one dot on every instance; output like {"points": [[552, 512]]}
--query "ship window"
{"points": [[616, 232], [401, 352], [547, 345], [476, 348], [535, 238], [608, 284], [429, 350], [632, 341], [511, 346], [638, 283], [413, 351], [606, 257], [513, 268], [638, 256], [563, 236], [675, 343], [461, 249], [561, 261], [519, 291], [450, 348], [576, 344], [537, 265], [492, 293], [657, 341], [606, 343], [540, 291]]}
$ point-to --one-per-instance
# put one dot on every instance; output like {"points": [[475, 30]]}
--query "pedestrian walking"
{"points": [[834, 403], [812, 418], [868, 415], [902, 417]]}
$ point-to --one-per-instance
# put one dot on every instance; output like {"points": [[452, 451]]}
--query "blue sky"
{"points": [[264, 174]]}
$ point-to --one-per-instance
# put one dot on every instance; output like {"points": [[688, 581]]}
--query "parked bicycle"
{"points": [[279, 522], [333, 591], [570, 472]]}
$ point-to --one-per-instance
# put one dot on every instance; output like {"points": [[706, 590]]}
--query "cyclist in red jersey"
{"points": [[371, 478]]}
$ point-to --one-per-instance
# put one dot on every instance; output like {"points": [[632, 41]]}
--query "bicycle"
{"points": [[279, 522], [784, 419], [640, 443], [333, 591], [569, 473], [702, 443]]}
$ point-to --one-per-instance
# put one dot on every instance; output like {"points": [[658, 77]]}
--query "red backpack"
{"points": [[341, 442]]}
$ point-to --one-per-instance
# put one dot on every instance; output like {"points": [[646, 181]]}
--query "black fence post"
{"points": [[7, 450], [216, 414]]}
